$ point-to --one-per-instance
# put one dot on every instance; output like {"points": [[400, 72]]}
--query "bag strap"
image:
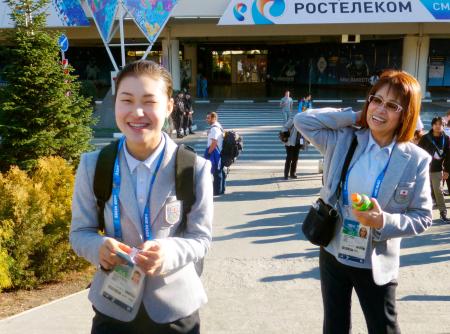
{"points": [[348, 158], [103, 180], [185, 181]]}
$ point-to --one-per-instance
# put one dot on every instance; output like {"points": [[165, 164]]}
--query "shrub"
{"points": [[35, 215]]}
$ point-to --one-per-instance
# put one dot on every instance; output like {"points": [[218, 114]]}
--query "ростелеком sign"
{"points": [[251, 12]]}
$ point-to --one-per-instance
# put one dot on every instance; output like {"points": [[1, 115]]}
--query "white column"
{"points": [[415, 58], [190, 53], [175, 63], [166, 54]]}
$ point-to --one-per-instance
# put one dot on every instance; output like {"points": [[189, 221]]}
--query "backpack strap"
{"points": [[216, 126], [103, 179], [185, 181]]}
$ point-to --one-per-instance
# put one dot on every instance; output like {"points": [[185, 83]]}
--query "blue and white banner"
{"points": [[254, 12], [60, 13]]}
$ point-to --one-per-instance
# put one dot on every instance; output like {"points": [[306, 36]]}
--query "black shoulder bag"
{"points": [[320, 222]]}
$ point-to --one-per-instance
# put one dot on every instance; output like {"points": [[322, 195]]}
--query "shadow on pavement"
{"points": [[261, 195], [314, 252], [277, 229], [284, 227], [253, 182], [313, 273], [425, 298], [424, 240]]}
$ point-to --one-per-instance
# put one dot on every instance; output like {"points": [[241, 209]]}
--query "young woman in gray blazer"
{"points": [[394, 173], [147, 215]]}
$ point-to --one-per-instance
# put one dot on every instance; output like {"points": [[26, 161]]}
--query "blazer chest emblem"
{"points": [[173, 212]]}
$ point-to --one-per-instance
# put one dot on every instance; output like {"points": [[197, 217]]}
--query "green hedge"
{"points": [[35, 215]]}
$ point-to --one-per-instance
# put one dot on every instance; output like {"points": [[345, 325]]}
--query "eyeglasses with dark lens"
{"points": [[389, 106]]}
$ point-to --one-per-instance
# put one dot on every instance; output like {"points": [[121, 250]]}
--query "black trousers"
{"points": [[290, 166], [187, 122], [377, 302], [178, 122], [142, 324]]}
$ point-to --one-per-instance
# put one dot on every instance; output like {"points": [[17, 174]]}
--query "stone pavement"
{"points": [[261, 275]]}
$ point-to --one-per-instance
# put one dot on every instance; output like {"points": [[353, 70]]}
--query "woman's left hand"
{"points": [[370, 218], [150, 258]]}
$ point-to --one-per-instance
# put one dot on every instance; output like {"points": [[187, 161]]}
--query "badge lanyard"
{"points": [[437, 147], [115, 197], [376, 187]]}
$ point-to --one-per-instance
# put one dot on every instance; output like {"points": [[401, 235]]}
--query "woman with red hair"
{"points": [[395, 174]]}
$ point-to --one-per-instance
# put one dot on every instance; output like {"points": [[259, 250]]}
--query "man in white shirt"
{"points": [[215, 143], [286, 105]]}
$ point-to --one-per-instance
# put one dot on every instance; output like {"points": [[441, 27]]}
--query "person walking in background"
{"points": [[204, 84], [305, 103], [198, 80], [395, 174], [436, 143], [178, 113], [447, 132], [142, 219], [188, 114], [212, 152], [292, 149], [286, 104]]}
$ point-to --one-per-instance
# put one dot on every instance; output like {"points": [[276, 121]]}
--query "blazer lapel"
{"points": [[165, 179], [127, 194], [393, 174]]}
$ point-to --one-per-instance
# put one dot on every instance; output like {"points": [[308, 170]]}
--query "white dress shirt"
{"points": [[142, 172], [361, 180]]}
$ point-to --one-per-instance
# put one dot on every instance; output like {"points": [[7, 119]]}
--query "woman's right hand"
{"points": [[107, 253]]}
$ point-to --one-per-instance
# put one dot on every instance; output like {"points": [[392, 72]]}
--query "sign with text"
{"points": [[256, 12]]}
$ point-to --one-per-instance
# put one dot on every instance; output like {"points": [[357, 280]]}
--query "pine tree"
{"points": [[42, 112]]}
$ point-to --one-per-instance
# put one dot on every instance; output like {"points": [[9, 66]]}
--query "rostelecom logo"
{"points": [[277, 8], [239, 10]]}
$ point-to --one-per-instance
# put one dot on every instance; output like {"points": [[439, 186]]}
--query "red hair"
{"points": [[407, 88]]}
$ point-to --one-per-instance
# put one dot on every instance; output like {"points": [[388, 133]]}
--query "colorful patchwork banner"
{"points": [[104, 13], [70, 12], [150, 15], [60, 13]]}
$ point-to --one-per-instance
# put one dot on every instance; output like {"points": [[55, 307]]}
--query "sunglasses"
{"points": [[389, 106]]}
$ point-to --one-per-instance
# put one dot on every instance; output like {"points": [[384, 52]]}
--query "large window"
{"points": [[333, 63], [439, 63]]}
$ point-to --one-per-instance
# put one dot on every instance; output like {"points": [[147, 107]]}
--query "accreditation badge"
{"points": [[173, 212], [354, 241], [123, 286]]}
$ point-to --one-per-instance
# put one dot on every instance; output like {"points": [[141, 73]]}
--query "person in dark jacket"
{"points": [[188, 113], [292, 149], [436, 143], [178, 113]]}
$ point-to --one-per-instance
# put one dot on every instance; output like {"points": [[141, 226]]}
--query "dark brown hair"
{"points": [[407, 88], [146, 67]]}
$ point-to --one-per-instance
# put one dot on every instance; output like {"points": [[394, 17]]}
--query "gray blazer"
{"points": [[330, 131], [178, 292]]}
